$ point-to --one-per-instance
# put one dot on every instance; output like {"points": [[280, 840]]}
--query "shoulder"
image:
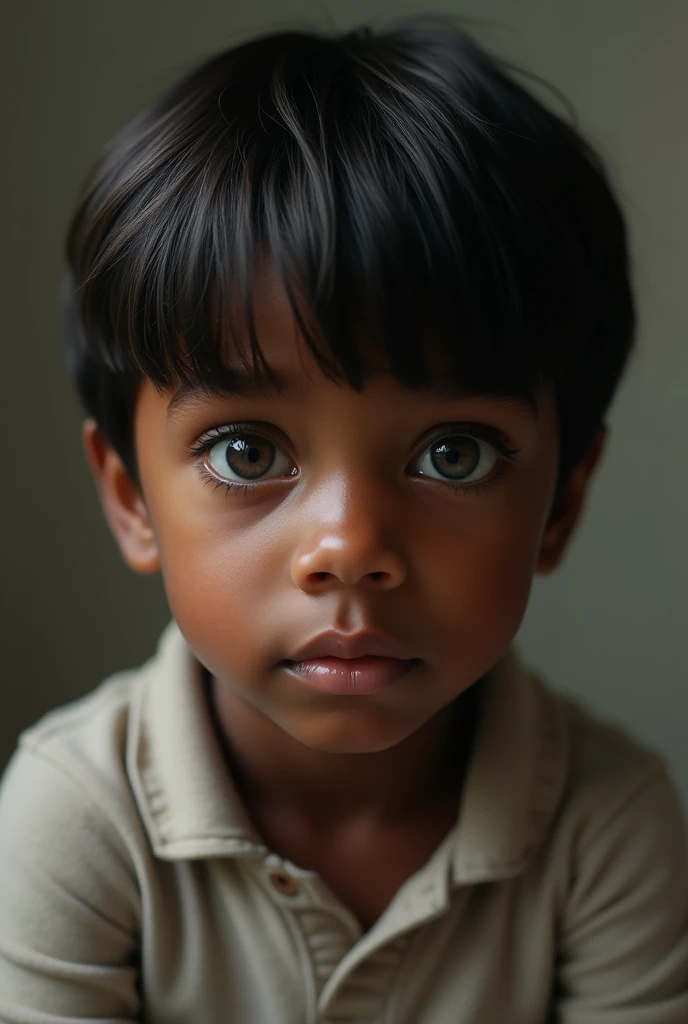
{"points": [[69, 818], [609, 765], [87, 738], [71, 854], [620, 852], [68, 775], [620, 816]]}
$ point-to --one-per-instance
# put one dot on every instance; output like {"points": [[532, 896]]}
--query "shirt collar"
{"points": [[516, 777], [185, 793], [191, 807]]}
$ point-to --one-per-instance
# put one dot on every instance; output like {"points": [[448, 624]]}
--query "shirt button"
{"points": [[284, 883]]}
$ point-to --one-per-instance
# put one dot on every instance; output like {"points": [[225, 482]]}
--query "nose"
{"points": [[348, 548]]}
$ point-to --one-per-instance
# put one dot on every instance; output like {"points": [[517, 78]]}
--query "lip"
{"points": [[365, 675], [333, 644]]}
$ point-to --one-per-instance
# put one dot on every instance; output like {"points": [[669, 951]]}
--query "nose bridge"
{"points": [[350, 469], [354, 504], [350, 528]]}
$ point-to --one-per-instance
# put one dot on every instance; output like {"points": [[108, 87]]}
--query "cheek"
{"points": [[484, 576], [219, 579]]}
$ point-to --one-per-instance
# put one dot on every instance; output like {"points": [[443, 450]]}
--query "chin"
{"points": [[339, 732]]}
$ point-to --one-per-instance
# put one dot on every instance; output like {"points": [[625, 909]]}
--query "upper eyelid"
{"points": [[498, 440], [485, 431]]}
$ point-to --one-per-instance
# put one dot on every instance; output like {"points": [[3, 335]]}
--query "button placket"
{"points": [[325, 936], [284, 883]]}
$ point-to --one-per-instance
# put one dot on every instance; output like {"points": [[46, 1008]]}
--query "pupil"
{"points": [[241, 453], [463, 455]]}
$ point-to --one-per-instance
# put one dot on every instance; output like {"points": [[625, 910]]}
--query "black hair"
{"points": [[407, 187]]}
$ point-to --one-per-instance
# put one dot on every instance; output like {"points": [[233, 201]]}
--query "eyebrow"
{"points": [[247, 385]]}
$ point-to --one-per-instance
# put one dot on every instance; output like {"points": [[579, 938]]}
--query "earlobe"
{"points": [[568, 509], [122, 502], [552, 549]]}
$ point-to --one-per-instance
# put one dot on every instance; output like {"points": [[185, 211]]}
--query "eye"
{"points": [[460, 459], [241, 457]]}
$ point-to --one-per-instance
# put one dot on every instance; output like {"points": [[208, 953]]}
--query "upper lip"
{"points": [[333, 644]]}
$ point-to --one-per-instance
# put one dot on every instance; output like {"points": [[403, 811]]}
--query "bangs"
{"points": [[398, 208]]}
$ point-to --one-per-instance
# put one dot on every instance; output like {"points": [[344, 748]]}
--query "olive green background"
{"points": [[610, 625]]}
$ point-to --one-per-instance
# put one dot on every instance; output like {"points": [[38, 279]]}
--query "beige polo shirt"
{"points": [[133, 886]]}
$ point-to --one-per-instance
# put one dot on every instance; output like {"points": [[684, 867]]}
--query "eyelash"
{"points": [[482, 431]]}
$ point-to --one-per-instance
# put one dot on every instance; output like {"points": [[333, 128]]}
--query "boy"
{"points": [[347, 315]]}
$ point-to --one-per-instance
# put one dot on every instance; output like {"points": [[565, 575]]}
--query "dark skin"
{"points": [[350, 527]]}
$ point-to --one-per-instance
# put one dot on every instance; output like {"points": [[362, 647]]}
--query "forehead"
{"points": [[293, 367], [296, 378], [282, 340], [287, 385], [290, 372]]}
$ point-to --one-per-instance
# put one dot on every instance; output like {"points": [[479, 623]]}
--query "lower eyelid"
{"points": [[237, 487]]}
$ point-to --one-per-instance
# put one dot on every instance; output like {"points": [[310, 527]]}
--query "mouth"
{"points": [[365, 675]]}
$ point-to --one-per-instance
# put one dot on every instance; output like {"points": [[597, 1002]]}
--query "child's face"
{"points": [[357, 539]]}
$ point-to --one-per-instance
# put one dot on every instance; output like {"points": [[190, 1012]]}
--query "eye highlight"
{"points": [[241, 450], [461, 458], [247, 455], [468, 456], [465, 456]]}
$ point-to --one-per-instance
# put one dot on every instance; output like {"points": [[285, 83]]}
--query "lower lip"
{"points": [[351, 675]]}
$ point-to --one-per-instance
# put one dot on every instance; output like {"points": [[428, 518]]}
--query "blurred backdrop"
{"points": [[609, 626]]}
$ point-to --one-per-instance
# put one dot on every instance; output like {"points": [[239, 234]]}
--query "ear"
{"points": [[568, 508], [122, 503]]}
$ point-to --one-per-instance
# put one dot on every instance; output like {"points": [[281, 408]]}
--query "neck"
{"points": [[273, 771]]}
